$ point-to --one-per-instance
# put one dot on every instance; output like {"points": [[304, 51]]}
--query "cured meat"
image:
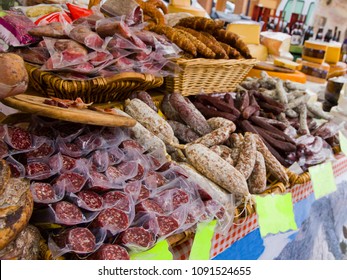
{"points": [[67, 213], [132, 170], [38, 170], [72, 181], [100, 160], [110, 252], [91, 199], [84, 35], [79, 240], [69, 163], [154, 179], [166, 225], [131, 144], [19, 138], [112, 219], [214, 208], [116, 199], [115, 156], [171, 199], [137, 236], [114, 173], [42, 191], [99, 181], [43, 151], [149, 205], [132, 189]]}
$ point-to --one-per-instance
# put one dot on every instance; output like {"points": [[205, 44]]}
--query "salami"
{"points": [[130, 145], [166, 225], [19, 138], [80, 240], [45, 150], [38, 170], [42, 191], [72, 181], [117, 199], [132, 170], [214, 208], [137, 236], [149, 205], [112, 219], [100, 160], [111, 252], [99, 181], [17, 169], [69, 163], [115, 156], [154, 179], [114, 173], [67, 213], [91, 199], [171, 199], [141, 192]]}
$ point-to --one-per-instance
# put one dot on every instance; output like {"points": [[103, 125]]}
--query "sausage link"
{"points": [[224, 152], [218, 122], [216, 137], [247, 156], [257, 180]]}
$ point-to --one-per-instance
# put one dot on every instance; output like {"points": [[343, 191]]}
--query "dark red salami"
{"points": [[91, 199], [110, 252], [16, 169], [171, 199], [114, 173], [67, 213], [214, 208], [100, 160], [166, 225], [68, 130], [149, 205], [179, 197], [42, 191], [19, 138], [72, 181], [69, 163], [190, 219], [116, 199], [204, 195], [131, 144], [80, 240], [131, 169], [137, 236], [112, 219], [139, 191], [155, 163], [115, 155], [43, 151], [154, 179], [39, 170], [71, 148]]}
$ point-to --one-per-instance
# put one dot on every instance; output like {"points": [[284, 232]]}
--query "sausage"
{"points": [[190, 114], [84, 35], [67, 213], [216, 137], [116, 199], [149, 205], [219, 104], [154, 179], [136, 236], [272, 164], [270, 108], [110, 252], [171, 199], [249, 111], [91, 199], [169, 112], [150, 120], [131, 188], [276, 123], [281, 92], [18, 138], [72, 181], [224, 152], [131, 144], [146, 98], [257, 179], [236, 141], [303, 120], [42, 191], [80, 240], [183, 132], [112, 219], [218, 122], [45, 150], [166, 225], [247, 155], [211, 113], [69, 163], [216, 169]]}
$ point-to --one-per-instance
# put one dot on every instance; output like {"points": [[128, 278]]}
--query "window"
{"points": [[309, 13], [287, 10]]}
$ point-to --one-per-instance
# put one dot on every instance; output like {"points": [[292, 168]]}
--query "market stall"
{"points": [[142, 134]]}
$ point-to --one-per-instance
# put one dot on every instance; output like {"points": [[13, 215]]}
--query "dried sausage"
{"points": [[257, 180], [19, 138], [137, 236], [79, 240], [166, 225], [42, 191], [92, 200], [110, 252], [116, 199], [67, 213], [72, 181], [247, 156], [112, 219], [149, 205]]}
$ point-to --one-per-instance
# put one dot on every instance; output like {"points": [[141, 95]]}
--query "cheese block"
{"points": [[249, 31], [258, 51], [315, 72], [183, 9], [333, 53], [314, 51], [183, 3], [277, 43], [286, 63], [295, 77]]}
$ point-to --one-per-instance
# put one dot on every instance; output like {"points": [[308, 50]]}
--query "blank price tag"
{"points": [[202, 241], [343, 143], [159, 252], [275, 213], [323, 180]]}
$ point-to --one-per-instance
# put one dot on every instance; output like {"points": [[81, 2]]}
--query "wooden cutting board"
{"points": [[34, 104], [271, 67]]}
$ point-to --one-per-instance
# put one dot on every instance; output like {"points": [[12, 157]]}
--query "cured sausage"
{"points": [[169, 111], [69, 163], [183, 132], [110, 252], [224, 152], [67, 213], [42, 191], [257, 180], [91, 199], [45, 150], [79, 240], [137, 236], [247, 156], [149, 205], [112, 219], [130, 145], [154, 179], [38, 170], [218, 122], [166, 225], [132, 189], [72, 181], [216, 137], [18, 138], [116, 199]]}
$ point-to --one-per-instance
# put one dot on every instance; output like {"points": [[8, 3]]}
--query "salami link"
{"points": [[79, 240], [69, 163], [19, 138], [110, 252], [130, 145], [247, 156], [132, 188], [42, 191], [91, 199], [38, 170], [72, 181], [137, 236], [117, 199], [67, 213], [44, 150], [166, 225], [112, 219], [154, 179], [257, 180], [149, 205]]}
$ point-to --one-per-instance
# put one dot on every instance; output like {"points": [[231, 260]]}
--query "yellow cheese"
{"points": [[191, 10], [333, 53], [314, 51], [258, 51], [277, 43], [183, 3], [286, 63], [249, 31], [295, 77]]}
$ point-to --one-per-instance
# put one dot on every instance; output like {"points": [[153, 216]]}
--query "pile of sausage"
{"points": [[107, 193]]}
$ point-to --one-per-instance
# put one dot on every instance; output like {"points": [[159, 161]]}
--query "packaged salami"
{"points": [[137, 239], [100, 182], [68, 131], [137, 190], [115, 155], [99, 160], [17, 168], [88, 200], [44, 151], [110, 252], [119, 200], [40, 169], [46, 193]]}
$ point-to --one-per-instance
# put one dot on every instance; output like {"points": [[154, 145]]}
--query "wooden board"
{"points": [[271, 67], [34, 104]]}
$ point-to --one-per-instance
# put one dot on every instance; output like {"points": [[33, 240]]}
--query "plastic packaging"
{"points": [[46, 193]]}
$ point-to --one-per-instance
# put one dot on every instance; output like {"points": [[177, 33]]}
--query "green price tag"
{"points": [[202, 241], [343, 143], [275, 213], [323, 180], [159, 252]]}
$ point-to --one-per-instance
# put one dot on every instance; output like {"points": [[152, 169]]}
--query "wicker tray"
{"points": [[97, 90], [208, 75]]}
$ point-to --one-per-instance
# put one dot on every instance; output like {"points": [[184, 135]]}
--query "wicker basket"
{"points": [[97, 90], [208, 75]]}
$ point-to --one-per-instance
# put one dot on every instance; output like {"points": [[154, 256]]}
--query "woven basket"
{"points": [[97, 90], [207, 76]]}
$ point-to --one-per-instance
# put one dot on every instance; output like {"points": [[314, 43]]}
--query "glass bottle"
{"points": [[319, 35], [328, 36]]}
